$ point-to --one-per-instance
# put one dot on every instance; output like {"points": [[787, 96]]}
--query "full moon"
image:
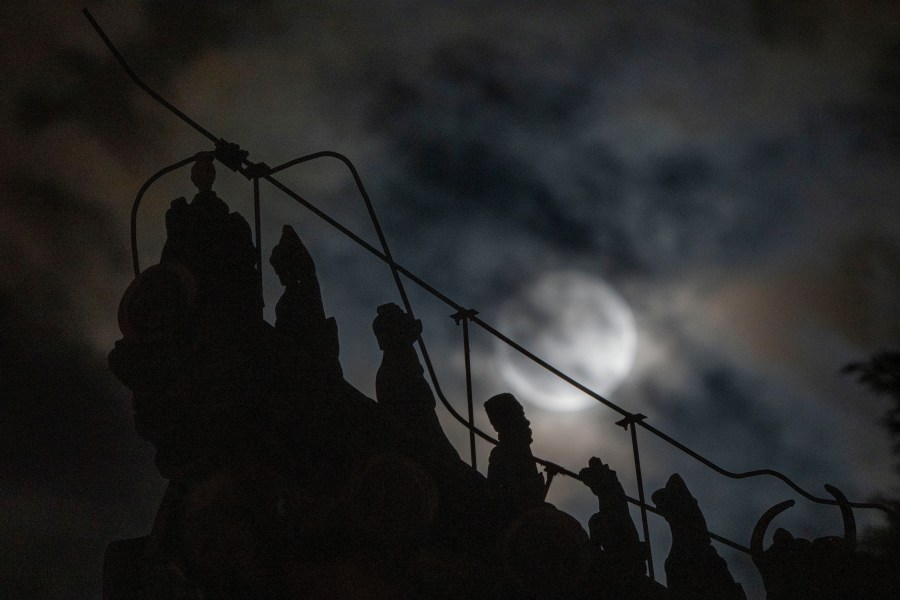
{"points": [[575, 322]]}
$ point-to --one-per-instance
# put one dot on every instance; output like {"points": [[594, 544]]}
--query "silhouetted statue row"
{"points": [[287, 482]]}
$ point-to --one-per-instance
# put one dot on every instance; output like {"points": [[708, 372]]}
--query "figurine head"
{"points": [[679, 507], [203, 173], [395, 328], [602, 480], [508, 417], [290, 258]]}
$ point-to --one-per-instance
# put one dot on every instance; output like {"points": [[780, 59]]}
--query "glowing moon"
{"points": [[578, 324]]}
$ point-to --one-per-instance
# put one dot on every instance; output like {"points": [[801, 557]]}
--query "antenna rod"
{"points": [[121, 60]]}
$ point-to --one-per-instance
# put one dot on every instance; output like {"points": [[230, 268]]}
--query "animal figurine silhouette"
{"points": [[619, 557], [612, 531], [694, 570], [826, 568]]}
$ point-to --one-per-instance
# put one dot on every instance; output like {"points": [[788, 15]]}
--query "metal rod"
{"points": [[640, 485], [466, 354], [137, 80], [258, 227], [137, 204]]}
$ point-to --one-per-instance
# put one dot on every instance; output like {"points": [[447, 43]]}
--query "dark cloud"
{"points": [[77, 86], [878, 115], [69, 462], [787, 23], [722, 399], [492, 138], [72, 83], [178, 31], [532, 86], [469, 182]]}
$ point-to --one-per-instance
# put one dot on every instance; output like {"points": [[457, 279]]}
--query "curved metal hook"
{"points": [[140, 196], [759, 531], [846, 515]]}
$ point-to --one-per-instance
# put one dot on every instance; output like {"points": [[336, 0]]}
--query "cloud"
{"points": [[470, 154], [73, 476]]}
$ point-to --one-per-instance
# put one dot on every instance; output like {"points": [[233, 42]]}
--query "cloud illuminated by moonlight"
{"points": [[577, 323]]}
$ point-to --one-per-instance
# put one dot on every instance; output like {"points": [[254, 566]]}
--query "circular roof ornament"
{"points": [[157, 302]]}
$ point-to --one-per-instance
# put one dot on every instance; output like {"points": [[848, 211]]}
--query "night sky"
{"points": [[729, 169]]}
